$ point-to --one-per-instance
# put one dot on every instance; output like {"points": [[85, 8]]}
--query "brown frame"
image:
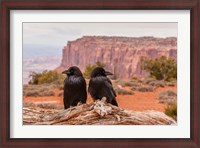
{"points": [[6, 6]]}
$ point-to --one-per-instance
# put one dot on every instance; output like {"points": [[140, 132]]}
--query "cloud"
{"points": [[60, 33]]}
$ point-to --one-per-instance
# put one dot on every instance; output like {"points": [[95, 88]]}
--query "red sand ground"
{"points": [[138, 101]]}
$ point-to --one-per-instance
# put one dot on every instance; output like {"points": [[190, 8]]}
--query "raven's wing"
{"points": [[109, 92], [75, 91], [93, 88], [67, 94], [79, 90], [112, 87], [100, 87]]}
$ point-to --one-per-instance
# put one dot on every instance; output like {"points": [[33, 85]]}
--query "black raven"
{"points": [[100, 86], [74, 87]]}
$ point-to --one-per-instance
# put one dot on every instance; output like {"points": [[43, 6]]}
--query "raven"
{"points": [[100, 86], [74, 87]]}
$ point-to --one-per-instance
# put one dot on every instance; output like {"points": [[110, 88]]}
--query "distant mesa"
{"points": [[121, 55]]}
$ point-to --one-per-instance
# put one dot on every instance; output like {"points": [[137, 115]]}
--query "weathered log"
{"points": [[96, 113]]}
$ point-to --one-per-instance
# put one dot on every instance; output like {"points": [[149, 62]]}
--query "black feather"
{"points": [[100, 86], [74, 87]]}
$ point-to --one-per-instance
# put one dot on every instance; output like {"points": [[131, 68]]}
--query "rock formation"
{"points": [[121, 55]]}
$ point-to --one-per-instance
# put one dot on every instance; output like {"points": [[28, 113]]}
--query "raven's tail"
{"points": [[114, 102]]}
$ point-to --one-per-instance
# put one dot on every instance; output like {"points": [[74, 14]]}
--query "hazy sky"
{"points": [[57, 34]]}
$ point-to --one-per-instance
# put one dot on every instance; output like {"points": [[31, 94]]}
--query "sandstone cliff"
{"points": [[120, 54]]}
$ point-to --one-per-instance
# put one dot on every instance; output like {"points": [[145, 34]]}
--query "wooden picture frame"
{"points": [[7, 6]]}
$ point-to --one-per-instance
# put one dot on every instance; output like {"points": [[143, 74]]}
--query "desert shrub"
{"points": [[157, 83], [120, 82], [168, 93], [60, 87], [172, 80], [173, 83], [148, 80], [140, 81], [131, 84], [167, 96], [135, 78], [145, 88], [121, 91], [46, 77], [60, 81], [60, 94], [112, 77], [128, 83], [39, 90], [47, 93], [32, 93], [89, 68], [39, 93], [161, 68], [171, 110], [134, 88]]}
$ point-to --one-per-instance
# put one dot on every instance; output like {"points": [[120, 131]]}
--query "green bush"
{"points": [[161, 68], [171, 110], [89, 68], [46, 77]]}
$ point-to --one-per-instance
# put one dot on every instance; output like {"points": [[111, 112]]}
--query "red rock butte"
{"points": [[121, 55]]}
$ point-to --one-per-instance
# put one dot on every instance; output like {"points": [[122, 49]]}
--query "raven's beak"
{"points": [[66, 72], [108, 73]]}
